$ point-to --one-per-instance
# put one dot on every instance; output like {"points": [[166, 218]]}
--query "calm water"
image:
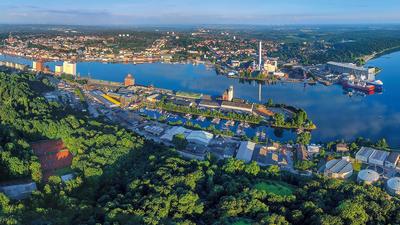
{"points": [[337, 115]]}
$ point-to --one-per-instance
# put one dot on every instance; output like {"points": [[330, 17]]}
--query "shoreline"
{"points": [[375, 55]]}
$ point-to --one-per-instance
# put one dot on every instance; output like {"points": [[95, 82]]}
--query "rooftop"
{"points": [[368, 175], [246, 150], [339, 166]]}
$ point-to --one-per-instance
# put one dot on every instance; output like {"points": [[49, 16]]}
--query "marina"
{"points": [[359, 114]]}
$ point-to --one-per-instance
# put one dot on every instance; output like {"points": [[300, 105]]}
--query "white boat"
{"points": [[216, 121]]}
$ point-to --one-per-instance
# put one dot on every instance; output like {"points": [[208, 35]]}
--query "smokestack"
{"points": [[259, 56]]}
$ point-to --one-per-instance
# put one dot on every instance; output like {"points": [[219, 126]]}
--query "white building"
{"points": [[200, 137], [69, 68], [67, 177], [336, 67], [392, 160], [393, 186], [155, 130], [364, 154], [169, 134], [378, 157], [338, 168], [246, 151], [367, 176], [313, 149], [58, 69]]}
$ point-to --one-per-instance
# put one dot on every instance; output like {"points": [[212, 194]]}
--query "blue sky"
{"points": [[263, 12]]}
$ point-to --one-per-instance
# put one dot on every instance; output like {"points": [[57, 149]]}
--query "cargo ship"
{"points": [[358, 85]]}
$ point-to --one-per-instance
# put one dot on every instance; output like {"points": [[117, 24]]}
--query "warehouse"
{"points": [[378, 157], [338, 168], [364, 154], [392, 160], [237, 106], [200, 137], [169, 134]]}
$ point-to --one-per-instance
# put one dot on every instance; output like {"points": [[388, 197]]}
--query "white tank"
{"points": [[367, 176], [393, 185]]}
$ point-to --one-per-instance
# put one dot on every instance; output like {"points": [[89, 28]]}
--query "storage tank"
{"points": [[367, 176], [393, 186]]}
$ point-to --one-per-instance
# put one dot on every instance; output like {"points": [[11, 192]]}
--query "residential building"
{"points": [[313, 149], [38, 66], [58, 70], [342, 147], [69, 68]]}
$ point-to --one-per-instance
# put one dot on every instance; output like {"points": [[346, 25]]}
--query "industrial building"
{"points": [[209, 104], [392, 160], [340, 68], [228, 94], [155, 130], [364, 154], [246, 151], [169, 134], [129, 80], [200, 137], [271, 66], [237, 106], [367, 176], [338, 168], [378, 157], [393, 186]]}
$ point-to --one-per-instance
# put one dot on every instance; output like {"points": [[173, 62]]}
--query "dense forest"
{"points": [[123, 179]]}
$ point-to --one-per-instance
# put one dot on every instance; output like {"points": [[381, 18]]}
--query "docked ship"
{"points": [[378, 84], [358, 85]]}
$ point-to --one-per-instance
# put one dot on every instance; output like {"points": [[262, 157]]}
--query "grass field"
{"points": [[275, 187]]}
